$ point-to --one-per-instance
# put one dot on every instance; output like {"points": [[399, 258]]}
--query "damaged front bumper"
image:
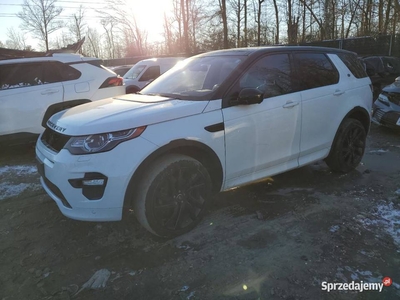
{"points": [[383, 113]]}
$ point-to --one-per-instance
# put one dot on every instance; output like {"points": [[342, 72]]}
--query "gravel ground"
{"points": [[278, 239]]}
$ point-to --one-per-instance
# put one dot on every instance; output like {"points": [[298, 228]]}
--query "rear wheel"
{"points": [[173, 195], [348, 148]]}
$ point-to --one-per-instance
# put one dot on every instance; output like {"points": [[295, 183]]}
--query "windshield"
{"points": [[194, 78], [134, 72]]}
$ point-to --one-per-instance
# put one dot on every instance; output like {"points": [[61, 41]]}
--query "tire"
{"points": [[173, 195], [348, 147]]}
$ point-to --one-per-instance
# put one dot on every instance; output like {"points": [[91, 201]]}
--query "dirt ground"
{"points": [[278, 239]]}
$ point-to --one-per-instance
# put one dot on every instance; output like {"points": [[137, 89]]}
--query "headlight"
{"points": [[383, 98], [102, 142]]}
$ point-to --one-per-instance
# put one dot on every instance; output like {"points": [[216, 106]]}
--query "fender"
{"points": [[195, 149], [56, 107]]}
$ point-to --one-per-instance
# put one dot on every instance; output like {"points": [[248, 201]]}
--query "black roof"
{"points": [[267, 49]]}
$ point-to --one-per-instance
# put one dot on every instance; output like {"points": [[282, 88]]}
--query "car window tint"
{"points": [[51, 72], [151, 73], [314, 70], [66, 72], [21, 75], [271, 75], [354, 64]]}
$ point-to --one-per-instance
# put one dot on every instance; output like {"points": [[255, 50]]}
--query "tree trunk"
{"points": [[245, 23], [224, 23], [277, 22]]}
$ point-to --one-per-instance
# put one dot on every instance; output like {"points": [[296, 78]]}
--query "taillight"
{"points": [[112, 81]]}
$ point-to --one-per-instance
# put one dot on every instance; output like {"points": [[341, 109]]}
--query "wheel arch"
{"points": [[195, 149], [358, 113], [361, 114]]}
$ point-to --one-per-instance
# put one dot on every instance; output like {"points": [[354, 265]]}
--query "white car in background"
{"points": [[28, 86], [145, 71], [216, 121]]}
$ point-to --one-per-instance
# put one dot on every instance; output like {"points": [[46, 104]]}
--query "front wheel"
{"points": [[348, 147], [173, 195]]}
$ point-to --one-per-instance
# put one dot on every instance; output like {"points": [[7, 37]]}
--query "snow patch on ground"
{"points": [[386, 216], [379, 151], [18, 170], [8, 189]]}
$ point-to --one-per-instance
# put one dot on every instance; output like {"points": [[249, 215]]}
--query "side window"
{"points": [[51, 72], [354, 64], [314, 70], [21, 75], [66, 72], [271, 75], [150, 73]]}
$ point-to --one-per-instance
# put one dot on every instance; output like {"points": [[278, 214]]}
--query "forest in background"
{"points": [[194, 26]]}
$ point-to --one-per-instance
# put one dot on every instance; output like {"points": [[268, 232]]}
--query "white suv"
{"points": [[28, 86], [216, 121]]}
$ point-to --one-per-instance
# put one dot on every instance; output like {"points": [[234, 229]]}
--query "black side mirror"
{"points": [[250, 96]]}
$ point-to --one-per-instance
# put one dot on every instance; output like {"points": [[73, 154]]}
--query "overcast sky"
{"points": [[149, 15]]}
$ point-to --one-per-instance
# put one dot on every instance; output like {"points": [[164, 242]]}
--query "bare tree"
{"points": [[135, 38], [222, 6], [16, 40], [258, 21], [39, 16], [94, 46], [77, 25]]}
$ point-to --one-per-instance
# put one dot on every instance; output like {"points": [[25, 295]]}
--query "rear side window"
{"points": [[314, 70], [151, 73], [30, 74], [354, 64], [66, 72]]}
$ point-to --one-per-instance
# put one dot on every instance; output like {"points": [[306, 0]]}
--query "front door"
{"points": [[263, 139]]}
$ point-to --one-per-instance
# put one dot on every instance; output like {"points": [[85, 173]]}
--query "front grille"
{"points": [[54, 140], [56, 191], [390, 118], [393, 97], [378, 115]]}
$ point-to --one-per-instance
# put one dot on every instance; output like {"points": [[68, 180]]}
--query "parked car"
{"points": [[386, 110], [214, 122], [146, 71], [121, 70], [382, 71], [28, 86]]}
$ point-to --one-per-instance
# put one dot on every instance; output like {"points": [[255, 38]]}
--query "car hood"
{"points": [[122, 112]]}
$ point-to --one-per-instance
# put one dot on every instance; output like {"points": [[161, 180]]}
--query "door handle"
{"points": [[290, 104], [338, 93], [49, 92]]}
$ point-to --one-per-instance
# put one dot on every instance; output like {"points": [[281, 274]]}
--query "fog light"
{"points": [[92, 182]]}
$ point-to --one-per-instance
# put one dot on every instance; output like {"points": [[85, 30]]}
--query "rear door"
{"points": [[322, 94], [26, 90]]}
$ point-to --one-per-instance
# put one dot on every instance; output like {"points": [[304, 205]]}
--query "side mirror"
{"points": [[250, 96]]}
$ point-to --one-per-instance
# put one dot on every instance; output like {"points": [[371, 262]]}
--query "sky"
{"points": [[150, 14]]}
